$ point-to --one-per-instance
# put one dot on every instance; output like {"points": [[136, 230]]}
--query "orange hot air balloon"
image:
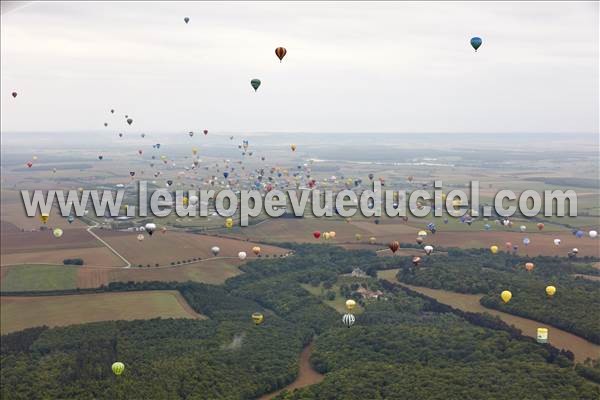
{"points": [[540, 226], [508, 245], [280, 52], [529, 266], [256, 250], [394, 246]]}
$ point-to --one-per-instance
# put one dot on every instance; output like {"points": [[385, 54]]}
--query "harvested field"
{"points": [[171, 247], [24, 312]]}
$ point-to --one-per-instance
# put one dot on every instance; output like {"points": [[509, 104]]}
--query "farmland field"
{"points": [[24, 312], [38, 277]]}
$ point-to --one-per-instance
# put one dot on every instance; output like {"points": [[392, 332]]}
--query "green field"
{"points": [[39, 277], [339, 303]]}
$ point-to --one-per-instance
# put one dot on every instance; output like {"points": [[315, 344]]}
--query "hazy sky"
{"points": [[350, 67]]}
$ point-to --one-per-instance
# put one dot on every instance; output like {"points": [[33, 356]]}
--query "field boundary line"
{"points": [[89, 230]]}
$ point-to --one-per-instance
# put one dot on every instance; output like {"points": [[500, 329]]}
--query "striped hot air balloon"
{"points": [[280, 52], [348, 320]]}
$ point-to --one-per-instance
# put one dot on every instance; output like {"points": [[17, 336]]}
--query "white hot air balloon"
{"points": [[593, 234], [215, 250], [348, 320], [150, 228], [557, 242], [242, 255], [428, 249]]}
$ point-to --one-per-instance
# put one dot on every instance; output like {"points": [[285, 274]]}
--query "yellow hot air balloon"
{"points": [[118, 368], [194, 151], [542, 335], [185, 201], [506, 296], [57, 232], [326, 235], [229, 223], [372, 240], [332, 234], [44, 217], [293, 147], [257, 318], [350, 304], [256, 250], [422, 233], [550, 290], [494, 249], [358, 236]]}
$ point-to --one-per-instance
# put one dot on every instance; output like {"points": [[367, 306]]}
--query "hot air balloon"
{"points": [[348, 320], [242, 255], [130, 121], [293, 147], [522, 228], [215, 250], [422, 233], [506, 296], [358, 236], [205, 132], [186, 20], [100, 157], [29, 164], [394, 246], [105, 124], [140, 237], [44, 217], [557, 242], [326, 236], [255, 84], [579, 234], [416, 261], [70, 219], [508, 246], [428, 249], [258, 318], [529, 266], [542, 335], [494, 249], [14, 94], [118, 368], [550, 290], [57, 232], [372, 240], [229, 223], [332, 234], [350, 304], [476, 42], [419, 240], [593, 234], [540, 226], [256, 250], [526, 241], [150, 228], [280, 52], [317, 234]]}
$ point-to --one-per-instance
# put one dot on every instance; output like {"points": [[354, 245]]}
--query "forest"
{"points": [[402, 346]]}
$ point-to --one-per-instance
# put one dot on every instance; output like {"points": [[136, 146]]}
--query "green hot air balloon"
{"points": [[255, 84], [476, 42], [118, 368]]}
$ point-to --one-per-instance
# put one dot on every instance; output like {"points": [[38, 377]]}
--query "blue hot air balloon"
{"points": [[476, 42], [225, 174], [579, 234]]}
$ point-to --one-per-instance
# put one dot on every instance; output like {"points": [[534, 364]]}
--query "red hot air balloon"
{"points": [[280, 52], [30, 164], [317, 234], [394, 246]]}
